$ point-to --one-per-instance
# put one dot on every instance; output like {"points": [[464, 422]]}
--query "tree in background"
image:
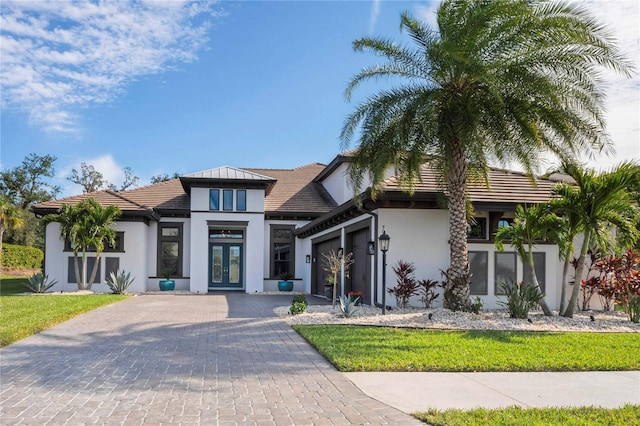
{"points": [[164, 177], [9, 219], [87, 227], [599, 202], [497, 80], [24, 186], [93, 180]]}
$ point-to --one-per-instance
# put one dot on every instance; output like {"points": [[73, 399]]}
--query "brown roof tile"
{"points": [[295, 191], [504, 187]]}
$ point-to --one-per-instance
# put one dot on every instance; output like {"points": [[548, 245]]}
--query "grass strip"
{"points": [[358, 348], [22, 316], [593, 416]]}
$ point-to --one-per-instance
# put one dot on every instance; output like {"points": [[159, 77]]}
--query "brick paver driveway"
{"points": [[179, 359]]}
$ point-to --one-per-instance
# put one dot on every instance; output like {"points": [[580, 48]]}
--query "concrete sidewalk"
{"points": [[411, 392]]}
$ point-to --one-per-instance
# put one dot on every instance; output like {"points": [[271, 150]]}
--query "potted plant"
{"points": [[328, 287], [285, 283], [335, 264], [167, 283]]}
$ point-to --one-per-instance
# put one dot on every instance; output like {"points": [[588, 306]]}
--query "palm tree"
{"points": [[534, 224], [599, 202], [497, 80], [9, 219], [87, 226]]}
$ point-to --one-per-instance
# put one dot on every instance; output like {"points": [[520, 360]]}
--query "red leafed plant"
{"points": [[406, 283], [620, 281]]}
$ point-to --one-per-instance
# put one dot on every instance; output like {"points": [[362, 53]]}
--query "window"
{"points": [[505, 271], [539, 261], [170, 249], [71, 271], [214, 199], [111, 264], [226, 234], [477, 230], [241, 200], [227, 199], [478, 267], [118, 247], [282, 250], [505, 222]]}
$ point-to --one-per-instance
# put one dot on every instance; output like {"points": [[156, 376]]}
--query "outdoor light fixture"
{"points": [[308, 258], [384, 239], [371, 247], [340, 252]]}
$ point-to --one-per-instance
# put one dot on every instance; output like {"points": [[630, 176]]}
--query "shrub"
{"points": [[521, 298], [347, 306], [620, 280], [356, 297], [21, 257], [298, 304], [406, 284], [475, 305], [39, 283], [634, 309], [119, 282], [426, 290]]}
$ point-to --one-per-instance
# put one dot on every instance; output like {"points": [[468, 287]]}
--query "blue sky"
{"points": [[180, 86]]}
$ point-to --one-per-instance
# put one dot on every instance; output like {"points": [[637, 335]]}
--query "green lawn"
{"points": [[628, 415], [357, 348], [22, 316]]}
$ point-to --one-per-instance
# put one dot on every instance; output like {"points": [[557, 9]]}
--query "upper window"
{"points": [[505, 222], [241, 200], [282, 250], [170, 249], [227, 199], [118, 247], [214, 199], [477, 230]]}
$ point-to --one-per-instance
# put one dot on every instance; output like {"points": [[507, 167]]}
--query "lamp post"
{"points": [[384, 239]]}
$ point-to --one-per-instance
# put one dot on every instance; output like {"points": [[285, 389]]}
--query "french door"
{"points": [[225, 265]]}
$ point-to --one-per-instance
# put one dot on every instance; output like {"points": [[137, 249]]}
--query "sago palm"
{"points": [[599, 202], [530, 226], [497, 81]]}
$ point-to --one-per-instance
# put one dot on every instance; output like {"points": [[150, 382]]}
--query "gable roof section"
{"points": [[296, 192], [144, 201]]}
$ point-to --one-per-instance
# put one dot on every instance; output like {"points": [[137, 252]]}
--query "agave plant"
{"points": [[120, 282], [348, 306], [39, 283]]}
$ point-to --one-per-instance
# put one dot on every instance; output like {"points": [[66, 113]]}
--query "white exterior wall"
{"points": [[302, 248], [131, 260], [254, 243]]}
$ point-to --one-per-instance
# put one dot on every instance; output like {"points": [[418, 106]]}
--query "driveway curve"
{"points": [[180, 359]]}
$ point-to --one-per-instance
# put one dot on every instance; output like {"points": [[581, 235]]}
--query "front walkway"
{"points": [[169, 359]]}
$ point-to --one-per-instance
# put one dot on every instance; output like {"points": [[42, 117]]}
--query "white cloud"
{"points": [[373, 17], [105, 164], [58, 57], [427, 13]]}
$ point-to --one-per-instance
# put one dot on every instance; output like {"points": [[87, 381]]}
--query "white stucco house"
{"points": [[238, 229]]}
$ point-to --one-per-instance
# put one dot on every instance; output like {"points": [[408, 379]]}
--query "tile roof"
{"points": [[295, 191], [504, 187]]}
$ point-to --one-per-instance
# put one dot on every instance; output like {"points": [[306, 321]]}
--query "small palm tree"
{"points": [[530, 226], [9, 219], [87, 226], [598, 202], [497, 80]]}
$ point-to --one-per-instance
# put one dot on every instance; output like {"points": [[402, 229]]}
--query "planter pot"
{"points": [[285, 285], [166, 285]]}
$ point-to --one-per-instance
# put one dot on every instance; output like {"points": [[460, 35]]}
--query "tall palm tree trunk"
{"points": [[76, 268], [534, 278], [82, 285], [93, 272], [579, 271], [458, 280], [563, 284]]}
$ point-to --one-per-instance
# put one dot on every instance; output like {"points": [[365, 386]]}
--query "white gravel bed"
{"points": [[448, 320]]}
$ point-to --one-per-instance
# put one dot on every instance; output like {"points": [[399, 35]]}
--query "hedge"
{"points": [[21, 257]]}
